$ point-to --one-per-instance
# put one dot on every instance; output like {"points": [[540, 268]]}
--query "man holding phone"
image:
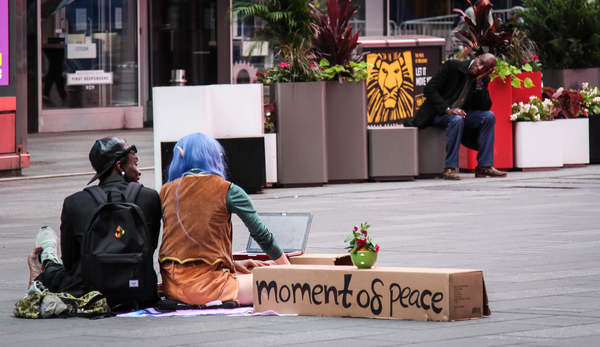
{"points": [[457, 99]]}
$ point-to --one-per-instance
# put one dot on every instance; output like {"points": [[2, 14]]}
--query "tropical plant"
{"points": [[567, 32], [591, 99], [521, 51], [287, 27], [333, 39], [482, 36], [360, 240], [532, 111]]}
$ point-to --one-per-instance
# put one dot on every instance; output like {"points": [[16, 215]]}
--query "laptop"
{"points": [[289, 229]]}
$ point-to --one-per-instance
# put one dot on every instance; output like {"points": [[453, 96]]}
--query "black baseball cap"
{"points": [[106, 152]]}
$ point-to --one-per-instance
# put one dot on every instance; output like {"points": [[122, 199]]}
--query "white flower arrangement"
{"points": [[591, 99], [533, 111]]}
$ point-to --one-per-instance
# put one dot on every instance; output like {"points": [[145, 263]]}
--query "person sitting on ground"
{"points": [[115, 163], [457, 99], [195, 256]]}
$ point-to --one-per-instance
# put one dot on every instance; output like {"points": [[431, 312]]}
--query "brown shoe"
{"points": [[489, 172], [450, 174]]}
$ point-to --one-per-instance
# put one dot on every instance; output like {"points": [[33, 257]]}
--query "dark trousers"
{"points": [[454, 125], [57, 280]]}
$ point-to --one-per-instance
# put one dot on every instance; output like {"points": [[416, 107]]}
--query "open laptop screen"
{"points": [[289, 229]]}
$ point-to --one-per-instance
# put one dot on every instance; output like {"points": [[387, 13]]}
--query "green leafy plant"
{"points": [[333, 40], [591, 99], [567, 32], [360, 240], [532, 111], [505, 70], [287, 27], [353, 72], [480, 36]]}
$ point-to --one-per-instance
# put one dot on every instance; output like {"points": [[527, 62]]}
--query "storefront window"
{"points": [[89, 54]]}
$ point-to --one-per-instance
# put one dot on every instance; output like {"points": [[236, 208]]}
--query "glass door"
{"points": [[184, 36], [89, 53]]}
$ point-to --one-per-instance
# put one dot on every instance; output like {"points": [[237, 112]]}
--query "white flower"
{"points": [[534, 109], [537, 117], [513, 117], [585, 85], [560, 90], [596, 99], [533, 97], [525, 108]]}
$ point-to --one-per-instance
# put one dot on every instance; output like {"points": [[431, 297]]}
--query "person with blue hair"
{"points": [[196, 262]]}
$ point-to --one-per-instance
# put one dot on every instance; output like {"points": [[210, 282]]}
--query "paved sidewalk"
{"points": [[535, 235]]}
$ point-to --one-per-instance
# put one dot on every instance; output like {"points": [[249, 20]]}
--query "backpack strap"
{"points": [[97, 193], [132, 191]]}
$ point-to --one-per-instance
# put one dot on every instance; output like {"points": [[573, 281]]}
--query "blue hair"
{"points": [[197, 151]]}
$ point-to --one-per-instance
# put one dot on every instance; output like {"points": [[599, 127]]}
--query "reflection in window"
{"points": [[89, 54]]}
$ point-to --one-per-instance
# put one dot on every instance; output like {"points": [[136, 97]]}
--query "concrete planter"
{"points": [[594, 134], [538, 145], [393, 153], [571, 78], [346, 128], [575, 140], [301, 137], [271, 157]]}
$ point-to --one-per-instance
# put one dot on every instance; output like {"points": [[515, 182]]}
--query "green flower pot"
{"points": [[364, 259]]}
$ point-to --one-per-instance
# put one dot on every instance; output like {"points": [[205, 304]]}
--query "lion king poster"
{"points": [[396, 81]]}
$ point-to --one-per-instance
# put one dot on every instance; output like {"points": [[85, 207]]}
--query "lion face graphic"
{"points": [[389, 87]]}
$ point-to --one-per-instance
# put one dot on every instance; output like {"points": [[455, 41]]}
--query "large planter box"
{"points": [[522, 94], [594, 135], [346, 129], [501, 95], [301, 138], [432, 151], [571, 78], [538, 145], [575, 140]]}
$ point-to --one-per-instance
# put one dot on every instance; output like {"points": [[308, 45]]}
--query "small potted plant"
{"points": [[363, 250], [537, 139], [591, 104]]}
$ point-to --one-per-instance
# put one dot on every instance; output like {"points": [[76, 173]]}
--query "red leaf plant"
{"points": [[482, 33], [332, 33], [567, 102]]}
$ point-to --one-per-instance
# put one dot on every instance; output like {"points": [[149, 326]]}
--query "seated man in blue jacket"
{"points": [[457, 99]]}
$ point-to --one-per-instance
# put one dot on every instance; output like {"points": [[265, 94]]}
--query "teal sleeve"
{"points": [[239, 203]]}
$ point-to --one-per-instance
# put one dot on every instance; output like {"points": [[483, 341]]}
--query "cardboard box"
{"points": [[321, 259], [381, 292]]}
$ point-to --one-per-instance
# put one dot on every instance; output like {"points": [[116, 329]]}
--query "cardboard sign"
{"points": [[383, 292], [4, 48]]}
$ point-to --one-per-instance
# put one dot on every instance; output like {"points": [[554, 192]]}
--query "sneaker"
{"points": [[488, 172], [47, 239], [450, 174]]}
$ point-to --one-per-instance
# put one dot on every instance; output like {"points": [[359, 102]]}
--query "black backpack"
{"points": [[116, 254]]}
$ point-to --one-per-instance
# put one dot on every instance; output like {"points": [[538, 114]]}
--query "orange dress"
{"points": [[195, 258]]}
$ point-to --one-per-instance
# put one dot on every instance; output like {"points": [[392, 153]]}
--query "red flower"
{"points": [[526, 60], [355, 228], [313, 65], [535, 57], [363, 231], [360, 243], [376, 248], [284, 65]]}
